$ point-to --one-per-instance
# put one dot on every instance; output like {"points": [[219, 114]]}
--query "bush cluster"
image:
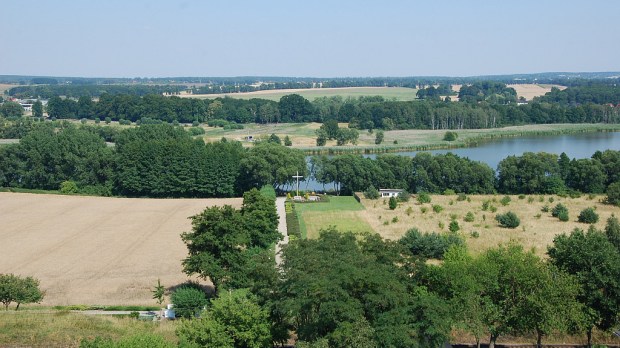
{"points": [[508, 220], [429, 245]]}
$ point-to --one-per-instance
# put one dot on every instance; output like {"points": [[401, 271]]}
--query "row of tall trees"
{"points": [[150, 160], [530, 173], [362, 112]]}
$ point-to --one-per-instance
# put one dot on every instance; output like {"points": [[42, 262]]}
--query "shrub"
{"points": [[395, 219], [424, 197], [108, 120], [194, 131], [613, 194], [437, 208], [563, 216], [404, 196], [530, 199], [461, 197], [429, 245], [469, 217], [409, 211], [485, 205], [287, 141], [450, 136], [188, 301], [505, 200], [371, 193], [474, 234], [454, 226], [124, 122], [195, 124], [423, 210], [393, 203], [508, 220], [588, 216], [68, 187], [545, 208], [559, 208], [521, 196], [449, 192], [83, 121]]}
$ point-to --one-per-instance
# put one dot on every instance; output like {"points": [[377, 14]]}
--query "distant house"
{"points": [[386, 193]]}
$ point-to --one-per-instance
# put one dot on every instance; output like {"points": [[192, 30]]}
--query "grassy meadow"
{"points": [[536, 231], [344, 213], [67, 329]]}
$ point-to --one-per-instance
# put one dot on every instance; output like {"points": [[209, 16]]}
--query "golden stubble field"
{"points": [[97, 250], [535, 231]]}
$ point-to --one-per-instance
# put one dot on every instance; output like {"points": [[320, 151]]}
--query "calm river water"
{"points": [[581, 145]]}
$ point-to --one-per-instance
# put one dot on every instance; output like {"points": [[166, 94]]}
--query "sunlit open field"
{"points": [[537, 228], [97, 250]]}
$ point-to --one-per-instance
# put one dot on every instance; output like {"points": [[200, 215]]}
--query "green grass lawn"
{"points": [[340, 212]]}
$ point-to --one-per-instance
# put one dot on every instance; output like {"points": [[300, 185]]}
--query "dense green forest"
{"points": [[167, 161], [150, 160]]}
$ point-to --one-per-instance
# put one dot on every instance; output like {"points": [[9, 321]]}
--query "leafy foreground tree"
{"points": [[233, 320], [505, 290], [356, 290], [224, 240], [188, 301], [19, 290], [595, 263]]}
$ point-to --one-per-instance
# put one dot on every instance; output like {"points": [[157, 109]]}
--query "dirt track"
{"points": [[95, 250]]}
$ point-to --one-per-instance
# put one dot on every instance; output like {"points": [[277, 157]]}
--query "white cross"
{"points": [[297, 177]]}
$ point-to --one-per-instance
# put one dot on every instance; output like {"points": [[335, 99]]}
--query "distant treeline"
{"points": [[590, 93], [362, 112], [76, 91], [165, 161], [45, 87]]}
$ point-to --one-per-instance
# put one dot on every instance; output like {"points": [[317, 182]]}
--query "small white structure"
{"points": [[169, 312], [386, 193]]}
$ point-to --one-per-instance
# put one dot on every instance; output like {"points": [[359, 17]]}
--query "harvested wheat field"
{"points": [[537, 228], [97, 250], [529, 91]]}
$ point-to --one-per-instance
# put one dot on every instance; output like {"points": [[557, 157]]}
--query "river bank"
{"points": [[427, 140]]}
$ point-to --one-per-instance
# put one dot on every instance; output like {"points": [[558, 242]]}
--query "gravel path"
{"points": [[282, 228]]}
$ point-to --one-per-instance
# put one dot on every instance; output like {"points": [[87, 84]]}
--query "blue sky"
{"points": [[320, 38]]}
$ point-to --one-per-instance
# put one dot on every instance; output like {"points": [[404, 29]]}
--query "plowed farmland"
{"points": [[96, 250]]}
